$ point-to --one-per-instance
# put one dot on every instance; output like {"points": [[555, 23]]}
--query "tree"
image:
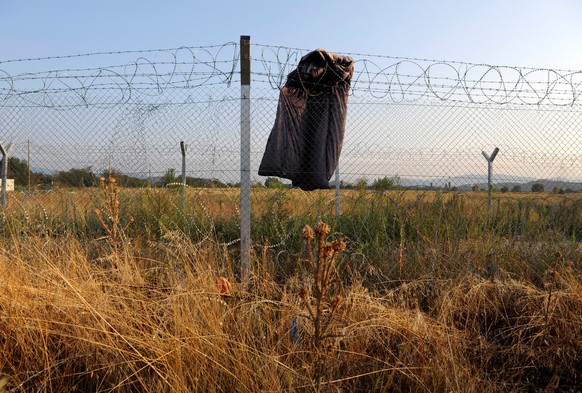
{"points": [[18, 170], [362, 183], [273, 182], [537, 187], [504, 189], [215, 183], [123, 179], [196, 181], [169, 177], [516, 188], [383, 184], [77, 177]]}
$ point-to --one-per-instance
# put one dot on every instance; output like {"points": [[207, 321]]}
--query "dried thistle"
{"points": [[338, 245], [328, 250], [323, 302], [223, 286], [307, 234], [111, 223], [322, 229]]}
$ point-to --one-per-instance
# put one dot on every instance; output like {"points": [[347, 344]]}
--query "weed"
{"points": [[110, 222], [323, 300]]}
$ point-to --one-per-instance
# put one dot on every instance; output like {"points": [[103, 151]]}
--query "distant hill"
{"points": [[526, 184], [467, 182]]}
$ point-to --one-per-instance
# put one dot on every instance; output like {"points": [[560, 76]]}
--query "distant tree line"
{"points": [[18, 170], [75, 177], [85, 177], [169, 178]]}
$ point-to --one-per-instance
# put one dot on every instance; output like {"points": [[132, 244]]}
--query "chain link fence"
{"points": [[415, 129], [425, 123]]}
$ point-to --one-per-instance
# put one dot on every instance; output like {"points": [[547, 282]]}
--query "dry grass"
{"points": [[76, 317], [110, 312]]}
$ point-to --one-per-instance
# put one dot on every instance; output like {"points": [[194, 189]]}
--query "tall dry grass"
{"points": [[117, 309], [394, 236], [76, 317]]}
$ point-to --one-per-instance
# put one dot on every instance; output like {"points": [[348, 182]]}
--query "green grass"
{"points": [[401, 235]]}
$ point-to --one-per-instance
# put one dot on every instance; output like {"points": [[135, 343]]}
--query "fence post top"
{"points": [[491, 157], [5, 150]]}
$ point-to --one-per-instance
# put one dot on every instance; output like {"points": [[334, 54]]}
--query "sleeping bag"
{"points": [[305, 143]]}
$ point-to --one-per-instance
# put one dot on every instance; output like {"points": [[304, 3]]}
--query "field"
{"points": [[126, 290]]}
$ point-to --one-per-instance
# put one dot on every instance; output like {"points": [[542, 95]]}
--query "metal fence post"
{"points": [[337, 192], [183, 149], [245, 157], [28, 164], [490, 175], [4, 152]]}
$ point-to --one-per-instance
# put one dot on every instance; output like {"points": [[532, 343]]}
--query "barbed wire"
{"points": [[177, 68], [413, 79], [378, 77]]}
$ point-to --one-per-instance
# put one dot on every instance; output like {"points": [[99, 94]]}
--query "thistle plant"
{"points": [[323, 300], [111, 221]]}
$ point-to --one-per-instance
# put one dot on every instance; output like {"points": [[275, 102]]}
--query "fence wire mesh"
{"points": [[412, 157]]}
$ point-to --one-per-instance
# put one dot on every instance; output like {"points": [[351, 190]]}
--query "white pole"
{"points": [[183, 149], [28, 162], [245, 157], [337, 192], [5, 152]]}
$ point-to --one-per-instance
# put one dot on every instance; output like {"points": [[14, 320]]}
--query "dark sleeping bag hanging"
{"points": [[306, 141]]}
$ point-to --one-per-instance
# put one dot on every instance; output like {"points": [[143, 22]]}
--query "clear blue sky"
{"points": [[545, 34]]}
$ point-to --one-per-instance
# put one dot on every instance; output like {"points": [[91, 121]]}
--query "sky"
{"points": [[537, 34], [516, 33]]}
